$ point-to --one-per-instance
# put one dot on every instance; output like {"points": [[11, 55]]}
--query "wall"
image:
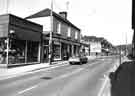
{"points": [[95, 47], [45, 21], [64, 29]]}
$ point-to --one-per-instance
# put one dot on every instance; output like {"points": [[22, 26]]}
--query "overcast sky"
{"points": [[110, 19]]}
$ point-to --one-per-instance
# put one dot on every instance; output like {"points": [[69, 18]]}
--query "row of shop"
{"points": [[62, 47], [22, 42]]}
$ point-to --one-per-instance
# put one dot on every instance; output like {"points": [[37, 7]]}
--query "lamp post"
{"points": [[51, 32], [7, 40]]}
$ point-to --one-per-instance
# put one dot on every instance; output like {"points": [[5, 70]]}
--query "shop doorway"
{"points": [[46, 53]]}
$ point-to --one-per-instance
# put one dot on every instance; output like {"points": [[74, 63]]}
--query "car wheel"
{"points": [[81, 63], [71, 63]]}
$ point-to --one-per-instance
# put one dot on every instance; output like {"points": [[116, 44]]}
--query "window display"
{"points": [[32, 51], [56, 52], [2, 50], [22, 52], [17, 51]]}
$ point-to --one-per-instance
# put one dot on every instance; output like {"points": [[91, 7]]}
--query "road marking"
{"points": [[62, 76], [76, 71], [27, 89], [103, 86], [69, 74]]}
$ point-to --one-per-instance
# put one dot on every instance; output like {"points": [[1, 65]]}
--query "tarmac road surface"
{"points": [[69, 80]]}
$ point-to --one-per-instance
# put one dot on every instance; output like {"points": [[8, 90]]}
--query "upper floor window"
{"points": [[69, 31], [76, 35], [58, 27]]}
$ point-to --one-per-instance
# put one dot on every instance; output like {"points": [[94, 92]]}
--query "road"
{"points": [[69, 80]]}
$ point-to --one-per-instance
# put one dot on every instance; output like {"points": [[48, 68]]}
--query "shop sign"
{"points": [[56, 42]]}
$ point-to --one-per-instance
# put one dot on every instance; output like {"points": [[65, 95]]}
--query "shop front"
{"points": [[45, 52], [56, 50], [62, 48], [64, 51], [20, 41]]}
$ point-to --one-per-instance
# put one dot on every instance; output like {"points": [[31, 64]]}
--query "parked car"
{"points": [[78, 60]]}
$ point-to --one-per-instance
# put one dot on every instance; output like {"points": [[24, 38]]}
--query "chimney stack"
{"points": [[63, 14]]}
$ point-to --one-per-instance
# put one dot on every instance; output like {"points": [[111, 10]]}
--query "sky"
{"points": [[110, 19]]}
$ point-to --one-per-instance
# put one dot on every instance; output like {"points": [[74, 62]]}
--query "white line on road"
{"points": [[62, 76], [74, 72], [69, 74], [27, 89], [103, 86]]}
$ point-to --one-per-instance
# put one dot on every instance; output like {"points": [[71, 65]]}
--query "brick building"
{"points": [[66, 36]]}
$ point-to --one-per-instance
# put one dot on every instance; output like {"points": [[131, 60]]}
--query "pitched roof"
{"points": [[47, 12], [42, 13]]}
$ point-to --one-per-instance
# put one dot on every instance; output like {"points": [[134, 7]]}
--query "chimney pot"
{"points": [[63, 14]]}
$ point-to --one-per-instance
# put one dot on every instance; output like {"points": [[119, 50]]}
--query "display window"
{"points": [[3, 51], [32, 52], [22, 51], [56, 51], [16, 51]]}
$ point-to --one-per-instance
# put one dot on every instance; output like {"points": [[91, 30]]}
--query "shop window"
{"points": [[16, 51], [2, 50], [56, 51], [32, 53], [21, 51]]}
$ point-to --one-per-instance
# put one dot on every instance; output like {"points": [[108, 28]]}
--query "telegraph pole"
{"points": [[67, 5], [7, 6], [7, 41], [51, 32]]}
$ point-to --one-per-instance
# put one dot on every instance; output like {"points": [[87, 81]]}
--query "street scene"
{"points": [[67, 48], [67, 80]]}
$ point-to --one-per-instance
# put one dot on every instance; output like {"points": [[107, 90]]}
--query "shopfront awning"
{"points": [[25, 34], [62, 40]]}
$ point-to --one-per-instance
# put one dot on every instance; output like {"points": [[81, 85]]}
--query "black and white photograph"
{"points": [[67, 48]]}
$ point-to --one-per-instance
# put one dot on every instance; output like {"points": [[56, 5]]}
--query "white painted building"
{"points": [[95, 47]]}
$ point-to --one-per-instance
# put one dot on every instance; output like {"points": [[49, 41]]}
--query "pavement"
{"points": [[6, 73], [106, 91]]}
